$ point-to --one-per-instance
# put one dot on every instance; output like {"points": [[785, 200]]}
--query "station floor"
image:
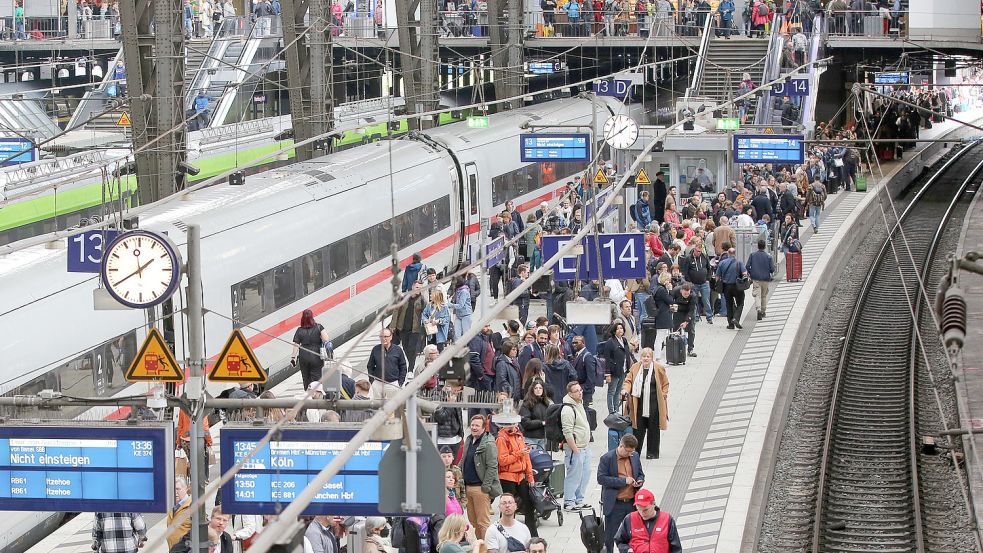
{"points": [[720, 405]]}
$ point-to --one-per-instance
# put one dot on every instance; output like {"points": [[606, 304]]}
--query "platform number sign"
{"points": [[622, 256], [85, 250], [610, 87], [795, 87]]}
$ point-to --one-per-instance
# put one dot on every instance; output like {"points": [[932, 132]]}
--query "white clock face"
{"points": [[141, 269], [620, 131]]}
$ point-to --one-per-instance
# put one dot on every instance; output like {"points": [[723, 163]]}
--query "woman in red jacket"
{"points": [[515, 467]]}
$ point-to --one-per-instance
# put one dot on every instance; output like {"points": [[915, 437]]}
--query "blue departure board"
{"points": [[554, 147], [897, 77], [284, 467], [14, 151], [92, 469], [769, 148]]}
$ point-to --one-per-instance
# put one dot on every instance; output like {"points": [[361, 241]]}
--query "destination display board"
{"points": [[14, 151], [769, 148], [46, 468], [554, 147], [284, 467], [894, 77]]}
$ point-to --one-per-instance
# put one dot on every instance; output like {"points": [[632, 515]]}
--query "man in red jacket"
{"points": [[648, 529]]}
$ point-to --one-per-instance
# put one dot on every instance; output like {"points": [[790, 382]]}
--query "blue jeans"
{"points": [[577, 477], [614, 392], [814, 212], [704, 292]]}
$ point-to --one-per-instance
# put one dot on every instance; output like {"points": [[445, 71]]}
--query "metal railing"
{"points": [[866, 24], [808, 109], [700, 59], [773, 67]]}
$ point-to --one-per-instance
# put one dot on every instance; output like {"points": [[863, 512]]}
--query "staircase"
{"points": [[726, 61]]}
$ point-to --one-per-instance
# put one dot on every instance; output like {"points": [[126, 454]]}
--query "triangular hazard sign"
{"points": [[600, 177], [154, 363], [124, 120], [642, 177], [237, 362]]}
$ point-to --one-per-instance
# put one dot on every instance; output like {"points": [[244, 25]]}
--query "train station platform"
{"points": [[724, 426]]}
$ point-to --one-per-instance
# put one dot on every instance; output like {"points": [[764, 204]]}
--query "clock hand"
{"points": [[138, 271]]}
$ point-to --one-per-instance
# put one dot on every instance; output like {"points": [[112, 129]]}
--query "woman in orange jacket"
{"points": [[515, 467]]}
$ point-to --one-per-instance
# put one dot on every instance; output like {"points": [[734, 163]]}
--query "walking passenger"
{"points": [[760, 266], [479, 461], [308, 341], [620, 474]]}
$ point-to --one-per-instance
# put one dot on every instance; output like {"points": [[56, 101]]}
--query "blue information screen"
{"points": [[769, 148], [898, 77], [554, 147], [283, 468], [22, 150], [85, 469]]}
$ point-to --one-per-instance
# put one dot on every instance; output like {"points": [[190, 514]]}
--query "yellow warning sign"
{"points": [[600, 177], [642, 177], [237, 362], [124, 120], [154, 363]]}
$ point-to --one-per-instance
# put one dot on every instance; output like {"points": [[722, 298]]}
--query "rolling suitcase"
{"points": [[648, 333], [860, 183], [676, 349], [793, 266]]}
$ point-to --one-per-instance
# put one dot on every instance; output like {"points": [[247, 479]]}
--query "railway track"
{"points": [[868, 492]]}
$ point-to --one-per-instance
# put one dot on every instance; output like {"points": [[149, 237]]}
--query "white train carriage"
{"points": [[313, 235]]}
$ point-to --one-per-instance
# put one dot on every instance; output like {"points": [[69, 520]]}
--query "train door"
{"points": [[472, 215]]}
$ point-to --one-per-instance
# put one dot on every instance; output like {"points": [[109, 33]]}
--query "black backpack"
{"points": [[553, 427], [633, 212]]}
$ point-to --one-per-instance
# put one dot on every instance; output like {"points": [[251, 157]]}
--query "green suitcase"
{"points": [[557, 476], [861, 183]]}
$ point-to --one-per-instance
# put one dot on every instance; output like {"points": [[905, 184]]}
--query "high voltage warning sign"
{"points": [[642, 177], [154, 363], [600, 177], [237, 362], [124, 120]]}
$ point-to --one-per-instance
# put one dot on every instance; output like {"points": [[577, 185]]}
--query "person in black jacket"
{"points": [[386, 366], [449, 421], [660, 312], [507, 370], [533, 413], [559, 373], [618, 358], [788, 203], [522, 302], [659, 194], [696, 270], [762, 203], [684, 317], [585, 365]]}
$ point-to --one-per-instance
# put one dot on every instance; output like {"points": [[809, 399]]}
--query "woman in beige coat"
{"points": [[373, 537], [647, 385]]}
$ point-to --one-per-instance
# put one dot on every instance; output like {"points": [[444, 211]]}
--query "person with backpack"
{"points": [[575, 430], [729, 271], [815, 202], [760, 16], [641, 211]]}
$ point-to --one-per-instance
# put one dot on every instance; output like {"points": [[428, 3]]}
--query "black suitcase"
{"points": [[648, 333], [676, 349]]}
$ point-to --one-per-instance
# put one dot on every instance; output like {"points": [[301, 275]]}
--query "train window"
{"points": [[405, 231], [362, 248], [312, 266], [249, 299], [444, 212], [338, 260], [284, 285], [426, 221], [384, 239]]}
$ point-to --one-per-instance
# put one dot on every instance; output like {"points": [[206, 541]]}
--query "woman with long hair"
{"points": [[453, 503], [660, 309], [507, 370], [452, 532], [461, 305], [436, 316], [308, 340], [617, 352], [532, 371], [646, 389], [533, 413]]}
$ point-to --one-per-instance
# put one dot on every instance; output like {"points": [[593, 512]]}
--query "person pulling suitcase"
{"points": [[684, 314]]}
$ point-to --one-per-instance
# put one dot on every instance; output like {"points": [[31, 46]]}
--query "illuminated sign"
{"points": [[544, 67], [14, 151], [284, 467], [899, 77], [86, 469], [771, 148], [554, 147]]}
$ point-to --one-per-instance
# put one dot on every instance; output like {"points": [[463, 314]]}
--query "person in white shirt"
{"points": [[744, 220], [498, 534]]}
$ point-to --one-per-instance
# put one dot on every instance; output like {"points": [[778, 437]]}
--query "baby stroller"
{"points": [[544, 496]]}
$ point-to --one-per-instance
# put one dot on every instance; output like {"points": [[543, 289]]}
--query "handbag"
{"points": [[617, 421], [431, 327], [743, 282], [513, 544]]}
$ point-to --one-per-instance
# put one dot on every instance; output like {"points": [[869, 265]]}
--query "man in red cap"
{"points": [[648, 530]]}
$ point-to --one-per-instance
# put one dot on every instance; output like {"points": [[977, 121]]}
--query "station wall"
{"points": [[945, 19]]}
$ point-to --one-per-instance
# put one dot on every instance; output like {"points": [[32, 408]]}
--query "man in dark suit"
{"points": [[659, 193], [585, 364], [619, 472]]}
